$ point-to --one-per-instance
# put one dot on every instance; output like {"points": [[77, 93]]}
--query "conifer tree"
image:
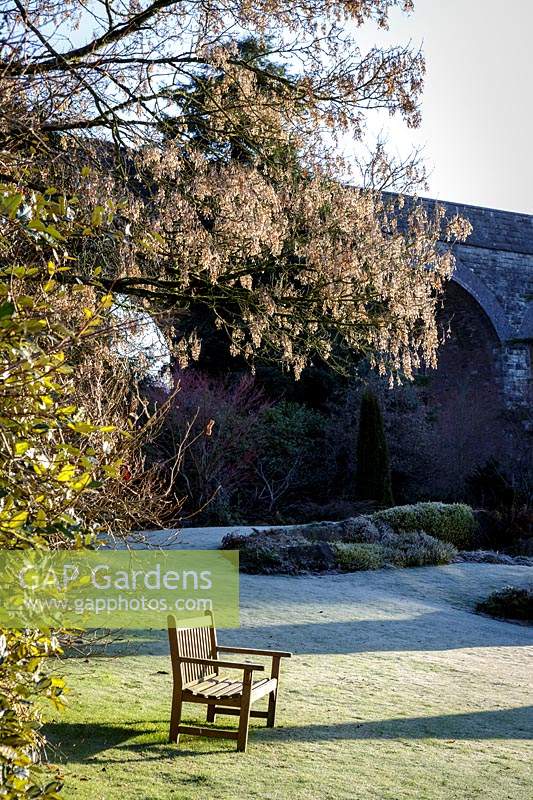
{"points": [[373, 467]]}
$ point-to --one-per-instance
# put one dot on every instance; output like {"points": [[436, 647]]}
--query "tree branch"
{"points": [[110, 36]]}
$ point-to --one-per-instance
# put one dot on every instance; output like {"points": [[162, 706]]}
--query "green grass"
{"points": [[359, 718]]}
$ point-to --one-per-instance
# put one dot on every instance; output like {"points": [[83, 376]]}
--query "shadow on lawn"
{"points": [[429, 631], [433, 630], [507, 723], [82, 743]]}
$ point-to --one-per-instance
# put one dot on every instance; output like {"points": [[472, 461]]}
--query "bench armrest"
{"points": [[213, 662], [253, 651]]}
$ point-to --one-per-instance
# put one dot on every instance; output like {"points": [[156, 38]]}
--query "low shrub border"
{"points": [[511, 602], [354, 556], [359, 543], [450, 522]]}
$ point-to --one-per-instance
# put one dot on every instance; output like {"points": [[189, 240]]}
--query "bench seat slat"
{"points": [[197, 687], [225, 687], [228, 687], [263, 687]]}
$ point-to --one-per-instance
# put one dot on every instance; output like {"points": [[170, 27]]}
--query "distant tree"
{"points": [[373, 468]]}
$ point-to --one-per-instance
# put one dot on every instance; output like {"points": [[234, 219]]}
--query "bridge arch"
{"points": [[470, 282]]}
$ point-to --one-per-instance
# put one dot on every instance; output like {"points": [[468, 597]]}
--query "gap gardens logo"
{"points": [[117, 589]]}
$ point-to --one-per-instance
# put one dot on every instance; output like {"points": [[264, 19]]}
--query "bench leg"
{"points": [[273, 696], [211, 711], [244, 716], [272, 699], [175, 719]]}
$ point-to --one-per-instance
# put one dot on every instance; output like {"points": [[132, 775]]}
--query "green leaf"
{"points": [[25, 301], [97, 216], [37, 225], [21, 448], [67, 410], [82, 427], [82, 482], [66, 473], [54, 233], [6, 310], [18, 520], [11, 203]]}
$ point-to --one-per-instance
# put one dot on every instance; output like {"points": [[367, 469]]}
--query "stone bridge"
{"points": [[475, 408], [495, 269]]}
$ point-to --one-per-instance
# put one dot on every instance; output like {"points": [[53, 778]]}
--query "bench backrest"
{"points": [[197, 642]]}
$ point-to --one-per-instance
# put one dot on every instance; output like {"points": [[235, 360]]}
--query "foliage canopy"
{"points": [[203, 166]]}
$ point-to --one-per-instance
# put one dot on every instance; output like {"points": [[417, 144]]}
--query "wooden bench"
{"points": [[198, 678]]}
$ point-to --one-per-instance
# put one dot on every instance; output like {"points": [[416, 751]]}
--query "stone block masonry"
{"points": [[495, 266]]}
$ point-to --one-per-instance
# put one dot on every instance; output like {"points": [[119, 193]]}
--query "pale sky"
{"points": [[477, 126], [477, 105]]}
